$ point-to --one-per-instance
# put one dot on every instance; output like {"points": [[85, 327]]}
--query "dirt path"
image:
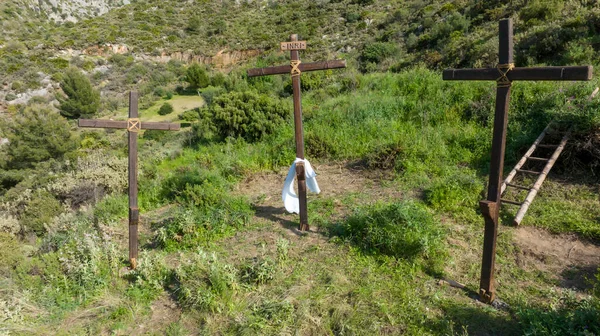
{"points": [[572, 260]]}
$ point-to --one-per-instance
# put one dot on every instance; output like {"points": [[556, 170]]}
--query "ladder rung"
{"points": [[510, 202], [518, 186], [528, 171], [547, 146], [537, 158]]}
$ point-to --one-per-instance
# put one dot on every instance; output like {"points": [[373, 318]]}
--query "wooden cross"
{"points": [[295, 69], [133, 126], [504, 74]]}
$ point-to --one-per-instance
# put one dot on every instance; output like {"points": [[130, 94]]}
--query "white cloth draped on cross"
{"points": [[289, 197]]}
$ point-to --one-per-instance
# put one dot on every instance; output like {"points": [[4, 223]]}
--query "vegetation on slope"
{"points": [[374, 265]]}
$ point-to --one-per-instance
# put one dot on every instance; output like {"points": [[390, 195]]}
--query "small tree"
{"points": [[197, 77], [194, 25], [165, 109], [35, 135], [245, 114], [81, 98]]}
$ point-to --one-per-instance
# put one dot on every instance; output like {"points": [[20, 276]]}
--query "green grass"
{"points": [[180, 105]]}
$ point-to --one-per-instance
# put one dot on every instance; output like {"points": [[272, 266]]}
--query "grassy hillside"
{"points": [[402, 158]]}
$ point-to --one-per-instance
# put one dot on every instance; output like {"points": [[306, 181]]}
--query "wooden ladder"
{"points": [[524, 206]]}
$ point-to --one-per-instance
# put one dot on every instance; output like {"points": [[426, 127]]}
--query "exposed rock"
{"points": [[73, 10], [23, 98], [222, 59]]}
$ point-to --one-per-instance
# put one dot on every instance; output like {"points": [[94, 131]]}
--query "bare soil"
{"points": [[572, 260]]}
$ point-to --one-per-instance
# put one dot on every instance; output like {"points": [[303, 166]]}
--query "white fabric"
{"points": [[289, 197]]}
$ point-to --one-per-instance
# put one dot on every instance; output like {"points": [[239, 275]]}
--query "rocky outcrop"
{"points": [[73, 10], [222, 59]]}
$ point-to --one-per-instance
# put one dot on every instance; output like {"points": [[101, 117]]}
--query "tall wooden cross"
{"points": [[295, 69], [504, 74], [133, 126]]}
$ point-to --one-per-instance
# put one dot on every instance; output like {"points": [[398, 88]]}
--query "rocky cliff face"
{"points": [[72, 10], [223, 59]]}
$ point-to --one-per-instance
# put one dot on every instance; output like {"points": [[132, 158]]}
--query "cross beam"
{"points": [[537, 74], [123, 124], [304, 67], [504, 74], [133, 125], [295, 69]]}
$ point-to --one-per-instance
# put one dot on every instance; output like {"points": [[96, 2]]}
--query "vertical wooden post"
{"points": [[134, 212], [491, 207], [299, 135]]}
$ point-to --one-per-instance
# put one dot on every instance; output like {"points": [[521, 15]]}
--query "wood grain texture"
{"points": [[304, 67], [566, 73]]}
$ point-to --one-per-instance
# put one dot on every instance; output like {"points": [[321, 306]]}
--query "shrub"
{"points": [[9, 225], [93, 176], [86, 262], [351, 17], [165, 109], [191, 228], [246, 114], [151, 275], [11, 254], [194, 24], [17, 86], [81, 98], [258, 271], [205, 283], [218, 80], [210, 93], [405, 230], [376, 52], [121, 60], [38, 211], [37, 134], [197, 77], [190, 115], [455, 191]]}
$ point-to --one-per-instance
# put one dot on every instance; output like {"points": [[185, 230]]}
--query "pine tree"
{"points": [[81, 99], [196, 76]]}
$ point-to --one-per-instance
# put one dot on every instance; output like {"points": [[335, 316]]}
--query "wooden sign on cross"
{"points": [[504, 74], [133, 126], [295, 69]]}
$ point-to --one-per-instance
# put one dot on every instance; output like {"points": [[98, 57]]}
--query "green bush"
{"points": [[165, 109], [190, 115], [38, 211], [149, 277], [258, 271], [245, 114], [11, 254], [205, 283], [210, 93], [194, 24], [191, 228], [455, 191], [17, 86], [218, 80], [376, 52], [197, 77], [37, 134], [405, 230], [81, 100]]}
